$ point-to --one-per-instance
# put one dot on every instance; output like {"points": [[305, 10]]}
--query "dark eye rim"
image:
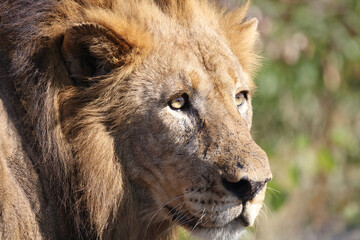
{"points": [[186, 104]]}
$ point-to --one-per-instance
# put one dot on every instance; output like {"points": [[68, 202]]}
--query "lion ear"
{"points": [[92, 50], [243, 36]]}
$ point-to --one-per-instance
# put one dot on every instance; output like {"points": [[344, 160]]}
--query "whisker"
{"points": [[152, 218], [199, 221], [178, 221], [169, 214], [267, 209], [273, 191]]}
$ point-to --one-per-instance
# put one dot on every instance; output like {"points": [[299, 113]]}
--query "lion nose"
{"points": [[245, 189]]}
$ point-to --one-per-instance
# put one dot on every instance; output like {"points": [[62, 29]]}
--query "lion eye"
{"points": [[178, 102], [240, 98]]}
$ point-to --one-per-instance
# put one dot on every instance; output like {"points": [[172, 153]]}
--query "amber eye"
{"points": [[240, 98], [179, 102]]}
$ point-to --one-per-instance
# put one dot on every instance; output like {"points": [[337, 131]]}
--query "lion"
{"points": [[124, 119]]}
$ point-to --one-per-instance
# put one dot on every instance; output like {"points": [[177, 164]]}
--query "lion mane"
{"points": [[69, 104]]}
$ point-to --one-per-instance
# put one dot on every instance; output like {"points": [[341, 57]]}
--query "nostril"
{"points": [[240, 188], [244, 189]]}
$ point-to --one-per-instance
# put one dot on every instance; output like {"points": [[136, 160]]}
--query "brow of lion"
{"points": [[242, 85], [238, 77], [194, 78], [160, 208], [202, 57], [232, 75]]}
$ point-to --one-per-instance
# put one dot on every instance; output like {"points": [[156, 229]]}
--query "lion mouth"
{"points": [[191, 222], [183, 217]]}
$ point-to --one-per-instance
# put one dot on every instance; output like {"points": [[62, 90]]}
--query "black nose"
{"points": [[244, 189]]}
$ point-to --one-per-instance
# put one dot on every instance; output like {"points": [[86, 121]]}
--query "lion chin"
{"points": [[224, 233], [124, 119], [231, 230]]}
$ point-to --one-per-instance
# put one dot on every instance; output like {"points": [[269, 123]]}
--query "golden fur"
{"points": [[90, 148]]}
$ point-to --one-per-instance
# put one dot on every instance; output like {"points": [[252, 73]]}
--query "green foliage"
{"points": [[326, 160], [307, 112], [277, 196], [183, 234]]}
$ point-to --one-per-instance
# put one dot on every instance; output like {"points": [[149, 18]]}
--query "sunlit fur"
{"points": [[91, 150]]}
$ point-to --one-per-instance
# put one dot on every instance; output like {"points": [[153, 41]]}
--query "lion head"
{"points": [[152, 106], [166, 108]]}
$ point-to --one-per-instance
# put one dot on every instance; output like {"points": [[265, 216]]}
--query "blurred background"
{"points": [[307, 118]]}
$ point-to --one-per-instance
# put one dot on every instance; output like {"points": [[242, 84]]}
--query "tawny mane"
{"points": [[70, 144]]}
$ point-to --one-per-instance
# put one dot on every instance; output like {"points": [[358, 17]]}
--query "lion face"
{"points": [[167, 114], [191, 146]]}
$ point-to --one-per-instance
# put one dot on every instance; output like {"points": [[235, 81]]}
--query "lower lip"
{"points": [[192, 221]]}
